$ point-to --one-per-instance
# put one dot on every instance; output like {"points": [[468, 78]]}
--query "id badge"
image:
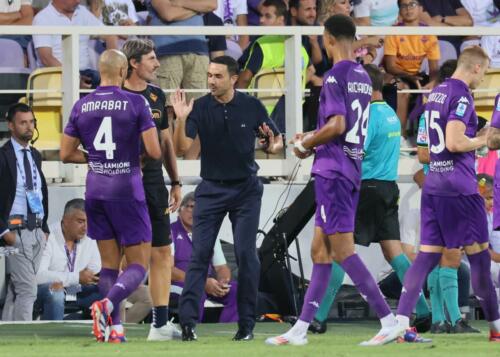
{"points": [[34, 202]]}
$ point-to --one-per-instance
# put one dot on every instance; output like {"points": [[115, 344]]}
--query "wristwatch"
{"points": [[176, 183]]}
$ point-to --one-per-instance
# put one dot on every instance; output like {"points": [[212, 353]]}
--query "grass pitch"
{"points": [[341, 339]]}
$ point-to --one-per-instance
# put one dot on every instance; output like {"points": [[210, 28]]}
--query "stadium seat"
{"points": [[47, 106], [12, 54], [273, 79], [485, 101]]}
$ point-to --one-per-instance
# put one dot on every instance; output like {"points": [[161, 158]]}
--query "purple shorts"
{"points": [[127, 222], [453, 222], [336, 202], [496, 208]]}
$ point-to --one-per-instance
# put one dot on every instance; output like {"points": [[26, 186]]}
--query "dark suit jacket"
{"points": [[8, 180]]}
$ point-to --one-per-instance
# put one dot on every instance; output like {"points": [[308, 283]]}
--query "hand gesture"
{"points": [[181, 107], [298, 138], [266, 141]]}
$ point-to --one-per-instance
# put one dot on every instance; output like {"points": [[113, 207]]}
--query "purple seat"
{"points": [[12, 54]]}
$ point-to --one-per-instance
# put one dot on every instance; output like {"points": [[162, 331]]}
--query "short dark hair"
{"points": [[17, 108], [74, 204], [294, 3], [446, 70], [376, 76], [417, 1], [230, 62], [279, 5], [341, 27], [136, 48]]}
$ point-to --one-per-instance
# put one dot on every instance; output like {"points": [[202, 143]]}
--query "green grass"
{"points": [[71, 339]]}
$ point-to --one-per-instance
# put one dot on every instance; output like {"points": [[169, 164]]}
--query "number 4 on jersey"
{"points": [[103, 140]]}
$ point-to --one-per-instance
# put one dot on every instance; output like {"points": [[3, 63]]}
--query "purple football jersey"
{"points": [[109, 123], [450, 174], [346, 91]]}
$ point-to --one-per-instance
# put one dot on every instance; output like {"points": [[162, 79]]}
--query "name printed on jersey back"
{"points": [[104, 105]]}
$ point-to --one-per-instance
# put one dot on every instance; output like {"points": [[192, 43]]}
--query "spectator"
{"points": [[183, 59], [483, 13], [376, 12], [491, 44], [17, 12], [404, 56], [114, 12], [23, 212], [218, 285], [268, 52], [303, 13], [446, 13], [253, 16], [234, 13], [70, 264], [216, 44], [49, 47]]}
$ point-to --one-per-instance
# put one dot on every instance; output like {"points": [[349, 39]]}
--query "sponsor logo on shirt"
{"points": [[461, 109], [463, 100], [331, 80], [110, 168]]}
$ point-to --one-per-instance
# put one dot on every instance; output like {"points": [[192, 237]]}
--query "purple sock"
{"points": [[366, 285], [482, 284], [414, 280], [107, 278], [316, 290], [125, 285]]}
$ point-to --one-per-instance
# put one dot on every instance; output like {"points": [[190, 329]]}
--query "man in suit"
{"points": [[23, 212]]}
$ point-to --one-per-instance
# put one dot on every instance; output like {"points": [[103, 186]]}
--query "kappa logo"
{"points": [[120, 285], [463, 100], [403, 291], [331, 80], [243, 125], [314, 303], [179, 237]]}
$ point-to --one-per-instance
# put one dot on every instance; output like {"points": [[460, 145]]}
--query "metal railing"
{"points": [[293, 90]]}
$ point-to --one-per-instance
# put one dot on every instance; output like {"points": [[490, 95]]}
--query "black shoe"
{"points": [[188, 333], [243, 335], [317, 326], [441, 327], [462, 326], [422, 324]]}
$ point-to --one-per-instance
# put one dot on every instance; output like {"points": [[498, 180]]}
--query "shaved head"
{"points": [[113, 65]]}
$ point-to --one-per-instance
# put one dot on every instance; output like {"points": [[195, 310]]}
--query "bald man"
{"points": [[110, 124]]}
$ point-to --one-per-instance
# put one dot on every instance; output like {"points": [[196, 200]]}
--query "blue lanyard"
{"points": [[23, 174]]}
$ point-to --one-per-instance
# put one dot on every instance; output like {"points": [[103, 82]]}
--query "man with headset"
{"points": [[23, 212]]}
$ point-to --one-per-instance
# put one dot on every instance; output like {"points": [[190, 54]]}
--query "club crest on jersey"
{"points": [[331, 80], [461, 109]]}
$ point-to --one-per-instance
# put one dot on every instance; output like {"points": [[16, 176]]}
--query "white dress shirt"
{"points": [[54, 264]]}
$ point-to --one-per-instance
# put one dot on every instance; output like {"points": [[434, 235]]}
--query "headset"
{"points": [[24, 108]]}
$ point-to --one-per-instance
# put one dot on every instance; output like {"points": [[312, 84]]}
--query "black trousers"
{"points": [[242, 201]]}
